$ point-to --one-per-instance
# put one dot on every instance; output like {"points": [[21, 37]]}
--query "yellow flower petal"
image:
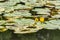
{"points": [[42, 19], [36, 19]]}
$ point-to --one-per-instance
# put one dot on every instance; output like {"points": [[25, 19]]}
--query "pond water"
{"points": [[40, 35]]}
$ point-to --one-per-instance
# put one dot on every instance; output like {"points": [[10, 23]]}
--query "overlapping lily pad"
{"points": [[19, 15]]}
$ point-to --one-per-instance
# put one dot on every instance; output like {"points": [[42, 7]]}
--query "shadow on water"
{"points": [[40, 35]]}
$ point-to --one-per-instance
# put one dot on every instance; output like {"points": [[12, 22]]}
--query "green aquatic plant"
{"points": [[29, 16]]}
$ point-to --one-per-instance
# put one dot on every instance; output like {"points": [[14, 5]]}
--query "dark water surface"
{"points": [[40, 35]]}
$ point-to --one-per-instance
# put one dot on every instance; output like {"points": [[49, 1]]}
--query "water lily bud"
{"points": [[36, 20], [41, 19]]}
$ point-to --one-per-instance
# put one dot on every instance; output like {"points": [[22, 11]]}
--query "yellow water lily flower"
{"points": [[3, 29], [42, 19], [36, 20]]}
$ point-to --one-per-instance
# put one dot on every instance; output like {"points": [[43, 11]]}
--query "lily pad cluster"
{"points": [[28, 16]]}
